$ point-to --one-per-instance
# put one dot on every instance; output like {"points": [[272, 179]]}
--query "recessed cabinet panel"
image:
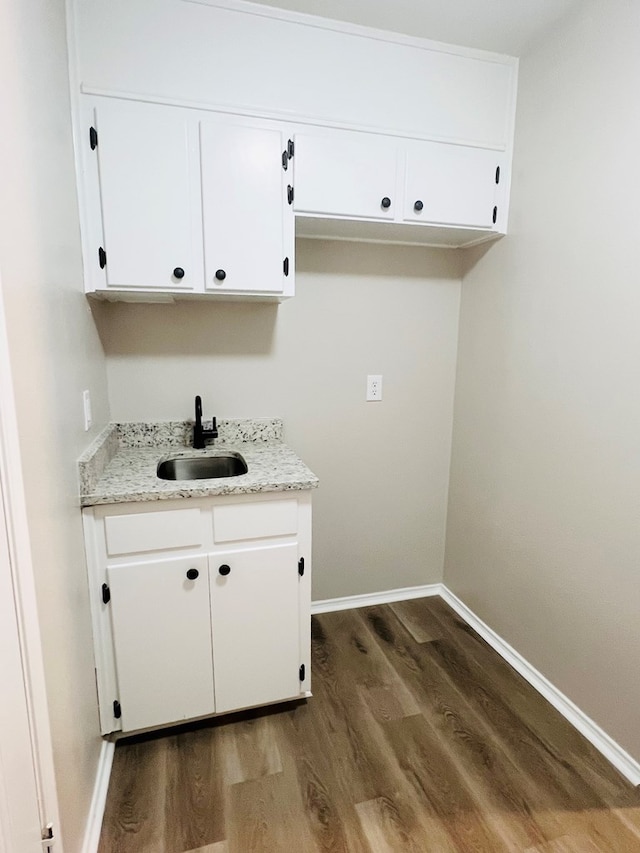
{"points": [[242, 188], [162, 640], [255, 614], [148, 166], [450, 184], [152, 531], [259, 520], [345, 174]]}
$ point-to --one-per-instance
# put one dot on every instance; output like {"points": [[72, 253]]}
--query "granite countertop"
{"points": [[120, 465]]}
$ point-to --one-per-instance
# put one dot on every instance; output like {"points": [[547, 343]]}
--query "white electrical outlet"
{"points": [[374, 387], [86, 404]]}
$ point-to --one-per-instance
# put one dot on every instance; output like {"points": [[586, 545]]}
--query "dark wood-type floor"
{"points": [[418, 738]]}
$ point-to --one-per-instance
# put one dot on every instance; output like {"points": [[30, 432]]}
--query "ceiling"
{"points": [[504, 26]]}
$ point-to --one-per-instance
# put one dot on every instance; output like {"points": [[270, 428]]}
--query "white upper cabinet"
{"points": [[345, 174], [149, 194], [182, 201], [451, 184], [243, 209], [370, 186]]}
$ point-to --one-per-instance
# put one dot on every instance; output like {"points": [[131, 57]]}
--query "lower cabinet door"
{"points": [[162, 638], [256, 626]]}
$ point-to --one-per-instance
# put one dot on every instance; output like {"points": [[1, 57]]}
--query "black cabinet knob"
{"points": [[224, 569], [192, 574], [386, 202], [221, 275], [178, 272], [418, 205]]}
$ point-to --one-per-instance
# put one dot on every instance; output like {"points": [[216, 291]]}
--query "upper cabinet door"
{"points": [[149, 189], [243, 203], [451, 184], [345, 174]]}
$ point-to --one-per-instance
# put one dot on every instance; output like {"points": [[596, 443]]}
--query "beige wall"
{"points": [[379, 515], [55, 353], [544, 533]]}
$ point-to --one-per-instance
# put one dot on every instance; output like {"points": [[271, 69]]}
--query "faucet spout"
{"points": [[199, 433]]}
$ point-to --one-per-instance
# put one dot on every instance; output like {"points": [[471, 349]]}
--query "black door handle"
{"points": [[192, 574], [224, 569], [221, 275], [386, 202], [418, 205]]}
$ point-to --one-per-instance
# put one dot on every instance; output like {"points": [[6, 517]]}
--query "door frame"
{"points": [[34, 780]]}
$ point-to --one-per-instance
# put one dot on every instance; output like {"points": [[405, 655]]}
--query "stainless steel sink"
{"points": [[227, 464]]}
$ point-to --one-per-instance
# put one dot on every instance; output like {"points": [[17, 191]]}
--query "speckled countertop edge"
{"points": [[120, 465]]}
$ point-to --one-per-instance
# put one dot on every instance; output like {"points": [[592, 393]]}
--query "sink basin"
{"points": [[202, 467]]}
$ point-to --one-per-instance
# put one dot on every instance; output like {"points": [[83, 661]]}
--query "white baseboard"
{"points": [[99, 798], [612, 751], [350, 602]]}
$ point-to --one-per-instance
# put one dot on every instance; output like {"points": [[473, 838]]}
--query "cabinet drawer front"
{"points": [[152, 531], [258, 520]]}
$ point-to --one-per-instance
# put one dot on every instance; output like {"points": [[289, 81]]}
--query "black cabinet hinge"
{"points": [[106, 594], [48, 837], [285, 266], [497, 174], [301, 672], [290, 149], [495, 214], [301, 566], [93, 138], [102, 258], [285, 161], [290, 194], [117, 710]]}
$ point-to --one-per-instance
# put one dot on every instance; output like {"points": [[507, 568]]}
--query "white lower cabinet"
{"points": [[216, 619]]}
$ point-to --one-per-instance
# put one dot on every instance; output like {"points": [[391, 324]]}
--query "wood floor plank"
{"points": [[218, 847], [307, 756], [134, 813], [418, 620], [567, 844], [264, 819], [418, 738], [248, 750], [386, 833], [194, 788]]}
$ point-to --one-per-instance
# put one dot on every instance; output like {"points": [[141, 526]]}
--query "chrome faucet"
{"points": [[200, 434]]}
